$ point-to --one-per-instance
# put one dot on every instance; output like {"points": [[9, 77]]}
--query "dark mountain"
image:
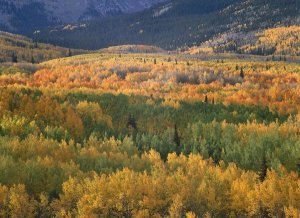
{"points": [[26, 16], [177, 23]]}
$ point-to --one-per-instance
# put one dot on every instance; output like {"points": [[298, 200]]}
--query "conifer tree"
{"points": [[131, 122], [206, 99], [69, 53], [242, 74], [14, 58], [176, 139], [32, 59], [263, 169]]}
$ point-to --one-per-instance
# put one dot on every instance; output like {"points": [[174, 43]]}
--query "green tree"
{"points": [[176, 139], [264, 169], [132, 122]]}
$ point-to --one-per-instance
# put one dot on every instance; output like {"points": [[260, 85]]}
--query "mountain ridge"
{"points": [[178, 24], [29, 15]]}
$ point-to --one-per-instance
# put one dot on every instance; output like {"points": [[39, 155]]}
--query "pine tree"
{"points": [[242, 74], [263, 169], [32, 59], [206, 99], [176, 139], [155, 61], [69, 53], [131, 122], [14, 58]]}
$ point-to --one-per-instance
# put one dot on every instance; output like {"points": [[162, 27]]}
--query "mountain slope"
{"points": [[28, 15], [179, 23], [272, 41], [27, 51]]}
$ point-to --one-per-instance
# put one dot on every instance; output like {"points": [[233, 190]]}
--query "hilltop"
{"points": [[132, 49]]}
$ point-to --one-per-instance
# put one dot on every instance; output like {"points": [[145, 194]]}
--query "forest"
{"points": [[149, 135]]}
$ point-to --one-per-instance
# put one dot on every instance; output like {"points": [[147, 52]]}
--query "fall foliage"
{"points": [[109, 135]]}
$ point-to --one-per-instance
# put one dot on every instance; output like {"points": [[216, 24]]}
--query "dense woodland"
{"points": [[143, 135]]}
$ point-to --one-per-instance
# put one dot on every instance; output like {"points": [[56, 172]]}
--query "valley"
{"points": [[131, 115], [144, 108]]}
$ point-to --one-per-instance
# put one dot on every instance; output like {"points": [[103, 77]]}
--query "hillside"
{"points": [[178, 24], [273, 41], [27, 51], [132, 49]]}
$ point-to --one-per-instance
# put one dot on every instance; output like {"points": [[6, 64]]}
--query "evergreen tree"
{"points": [[176, 139], [263, 169], [69, 53], [131, 122], [242, 74], [32, 59], [14, 58], [155, 62], [206, 99]]}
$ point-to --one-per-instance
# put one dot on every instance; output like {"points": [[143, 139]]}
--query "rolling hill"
{"points": [[25, 50]]}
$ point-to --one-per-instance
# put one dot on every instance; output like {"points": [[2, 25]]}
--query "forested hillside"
{"points": [[179, 23], [150, 135], [274, 41], [17, 48]]}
